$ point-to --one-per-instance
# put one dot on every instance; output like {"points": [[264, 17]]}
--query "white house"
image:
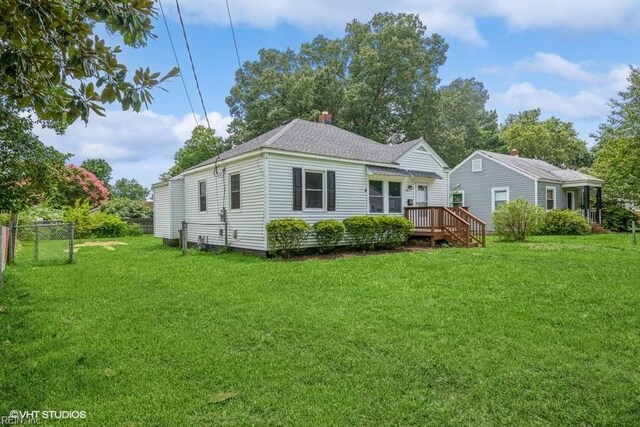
{"points": [[301, 169]]}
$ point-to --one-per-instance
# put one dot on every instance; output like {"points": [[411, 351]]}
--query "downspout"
{"points": [[266, 201]]}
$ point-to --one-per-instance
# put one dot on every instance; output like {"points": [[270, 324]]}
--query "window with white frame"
{"points": [[202, 193], [457, 199], [476, 165], [313, 190], [499, 197], [376, 196], [551, 198], [234, 193], [395, 197]]}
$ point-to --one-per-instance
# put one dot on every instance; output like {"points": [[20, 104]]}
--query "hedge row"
{"points": [[287, 235]]}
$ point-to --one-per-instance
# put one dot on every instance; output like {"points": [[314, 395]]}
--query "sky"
{"points": [[566, 57]]}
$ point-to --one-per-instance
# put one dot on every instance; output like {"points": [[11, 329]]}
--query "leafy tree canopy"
{"points": [[53, 63], [379, 81], [129, 189], [203, 145], [126, 208], [618, 143], [551, 140], [100, 168], [30, 172]]}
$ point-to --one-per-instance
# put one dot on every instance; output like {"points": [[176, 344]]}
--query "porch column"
{"points": [[599, 204], [586, 200]]}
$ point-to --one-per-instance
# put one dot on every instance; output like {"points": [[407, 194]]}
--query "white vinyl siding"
{"points": [[438, 189], [176, 188], [161, 212]]}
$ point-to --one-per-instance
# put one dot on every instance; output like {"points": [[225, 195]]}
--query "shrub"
{"points": [[565, 222], [361, 231], [517, 219], [286, 235], [126, 208], [328, 233], [134, 230], [392, 231], [616, 217], [94, 224]]}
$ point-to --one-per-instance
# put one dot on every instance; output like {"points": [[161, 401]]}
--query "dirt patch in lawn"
{"points": [[108, 245]]}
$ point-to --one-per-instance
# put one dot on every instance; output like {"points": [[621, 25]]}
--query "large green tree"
{"points": [[53, 61], [100, 168], [379, 81], [202, 145], [618, 143], [463, 124], [129, 189], [551, 140], [30, 172]]}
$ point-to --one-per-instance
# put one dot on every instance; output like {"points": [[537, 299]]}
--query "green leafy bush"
{"points": [[134, 230], [126, 208], [616, 217], [35, 214], [286, 235], [328, 233], [516, 220], [94, 224], [393, 231], [361, 231], [565, 222]]}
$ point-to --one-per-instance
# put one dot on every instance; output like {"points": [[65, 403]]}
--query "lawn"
{"points": [[541, 333]]}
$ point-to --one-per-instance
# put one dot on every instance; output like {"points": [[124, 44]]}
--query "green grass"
{"points": [[542, 333]]}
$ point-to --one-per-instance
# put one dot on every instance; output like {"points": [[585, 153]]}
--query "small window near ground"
{"points": [[313, 190], [202, 191], [476, 165], [500, 197], [395, 197], [551, 198], [457, 199], [376, 197], [235, 191]]}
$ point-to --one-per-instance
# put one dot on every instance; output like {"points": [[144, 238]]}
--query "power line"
{"points": [[233, 33], [193, 67], [175, 55]]}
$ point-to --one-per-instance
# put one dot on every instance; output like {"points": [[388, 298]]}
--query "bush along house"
{"points": [[311, 171], [485, 180]]}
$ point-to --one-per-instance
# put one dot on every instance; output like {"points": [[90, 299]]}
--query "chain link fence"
{"points": [[41, 243]]}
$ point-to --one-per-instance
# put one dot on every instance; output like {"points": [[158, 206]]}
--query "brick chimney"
{"points": [[515, 153], [325, 118]]}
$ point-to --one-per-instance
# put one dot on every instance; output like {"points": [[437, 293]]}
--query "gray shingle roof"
{"points": [[541, 169], [302, 136]]}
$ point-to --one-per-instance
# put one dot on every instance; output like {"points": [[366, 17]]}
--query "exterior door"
{"points": [[422, 196], [571, 200]]}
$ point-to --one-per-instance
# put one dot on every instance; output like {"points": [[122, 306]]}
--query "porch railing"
{"points": [[459, 225], [477, 227], [595, 216]]}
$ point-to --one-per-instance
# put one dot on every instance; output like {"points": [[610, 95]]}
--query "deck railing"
{"points": [[459, 225]]}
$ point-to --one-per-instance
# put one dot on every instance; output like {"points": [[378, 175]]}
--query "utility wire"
{"points": [[233, 33], [193, 67], [175, 55]]}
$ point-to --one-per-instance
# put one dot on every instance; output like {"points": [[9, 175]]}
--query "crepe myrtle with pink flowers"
{"points": [[80, 184]]}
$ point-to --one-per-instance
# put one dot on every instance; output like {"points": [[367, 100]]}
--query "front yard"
{"points": [[546, 332]]}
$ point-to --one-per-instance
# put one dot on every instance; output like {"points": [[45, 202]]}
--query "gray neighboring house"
{"points": [[485, 180]]}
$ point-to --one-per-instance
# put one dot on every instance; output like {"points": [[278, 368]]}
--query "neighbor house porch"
{"points": [[587, 198]]}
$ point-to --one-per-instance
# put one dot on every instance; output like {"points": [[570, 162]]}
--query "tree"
{"points": [[379, 81], [53, 63], [30, 171], [81, 185], [551, 140], [126, 208], [463, 123], [100, 168], [129, 189], [203, 145], [618, 144]]}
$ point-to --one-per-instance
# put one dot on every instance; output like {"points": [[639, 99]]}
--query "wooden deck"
{"points": [[457, 226]]}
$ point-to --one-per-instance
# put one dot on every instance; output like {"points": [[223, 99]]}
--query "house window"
{"points": [[202, 191], [551, 198], [500, 196], [313, 190], [395, 197], [235, 191], [376, 197], [476, 165], [457, 199]]}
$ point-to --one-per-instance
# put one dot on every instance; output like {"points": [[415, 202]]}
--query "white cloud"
{"points": [[137, 145], [554, 64], [454, 18], [581, 106]]}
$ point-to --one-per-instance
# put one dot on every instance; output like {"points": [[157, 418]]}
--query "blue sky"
{"points": [[566, 57]]}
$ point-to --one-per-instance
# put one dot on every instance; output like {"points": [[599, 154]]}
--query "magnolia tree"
{"points": [[80, 184]]}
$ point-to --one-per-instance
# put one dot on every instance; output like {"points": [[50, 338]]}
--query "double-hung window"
{"points": [[500, 197], [234, 192], [376, 196], [202, 191], [395, 197], [313, 190], [551, 198]]}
